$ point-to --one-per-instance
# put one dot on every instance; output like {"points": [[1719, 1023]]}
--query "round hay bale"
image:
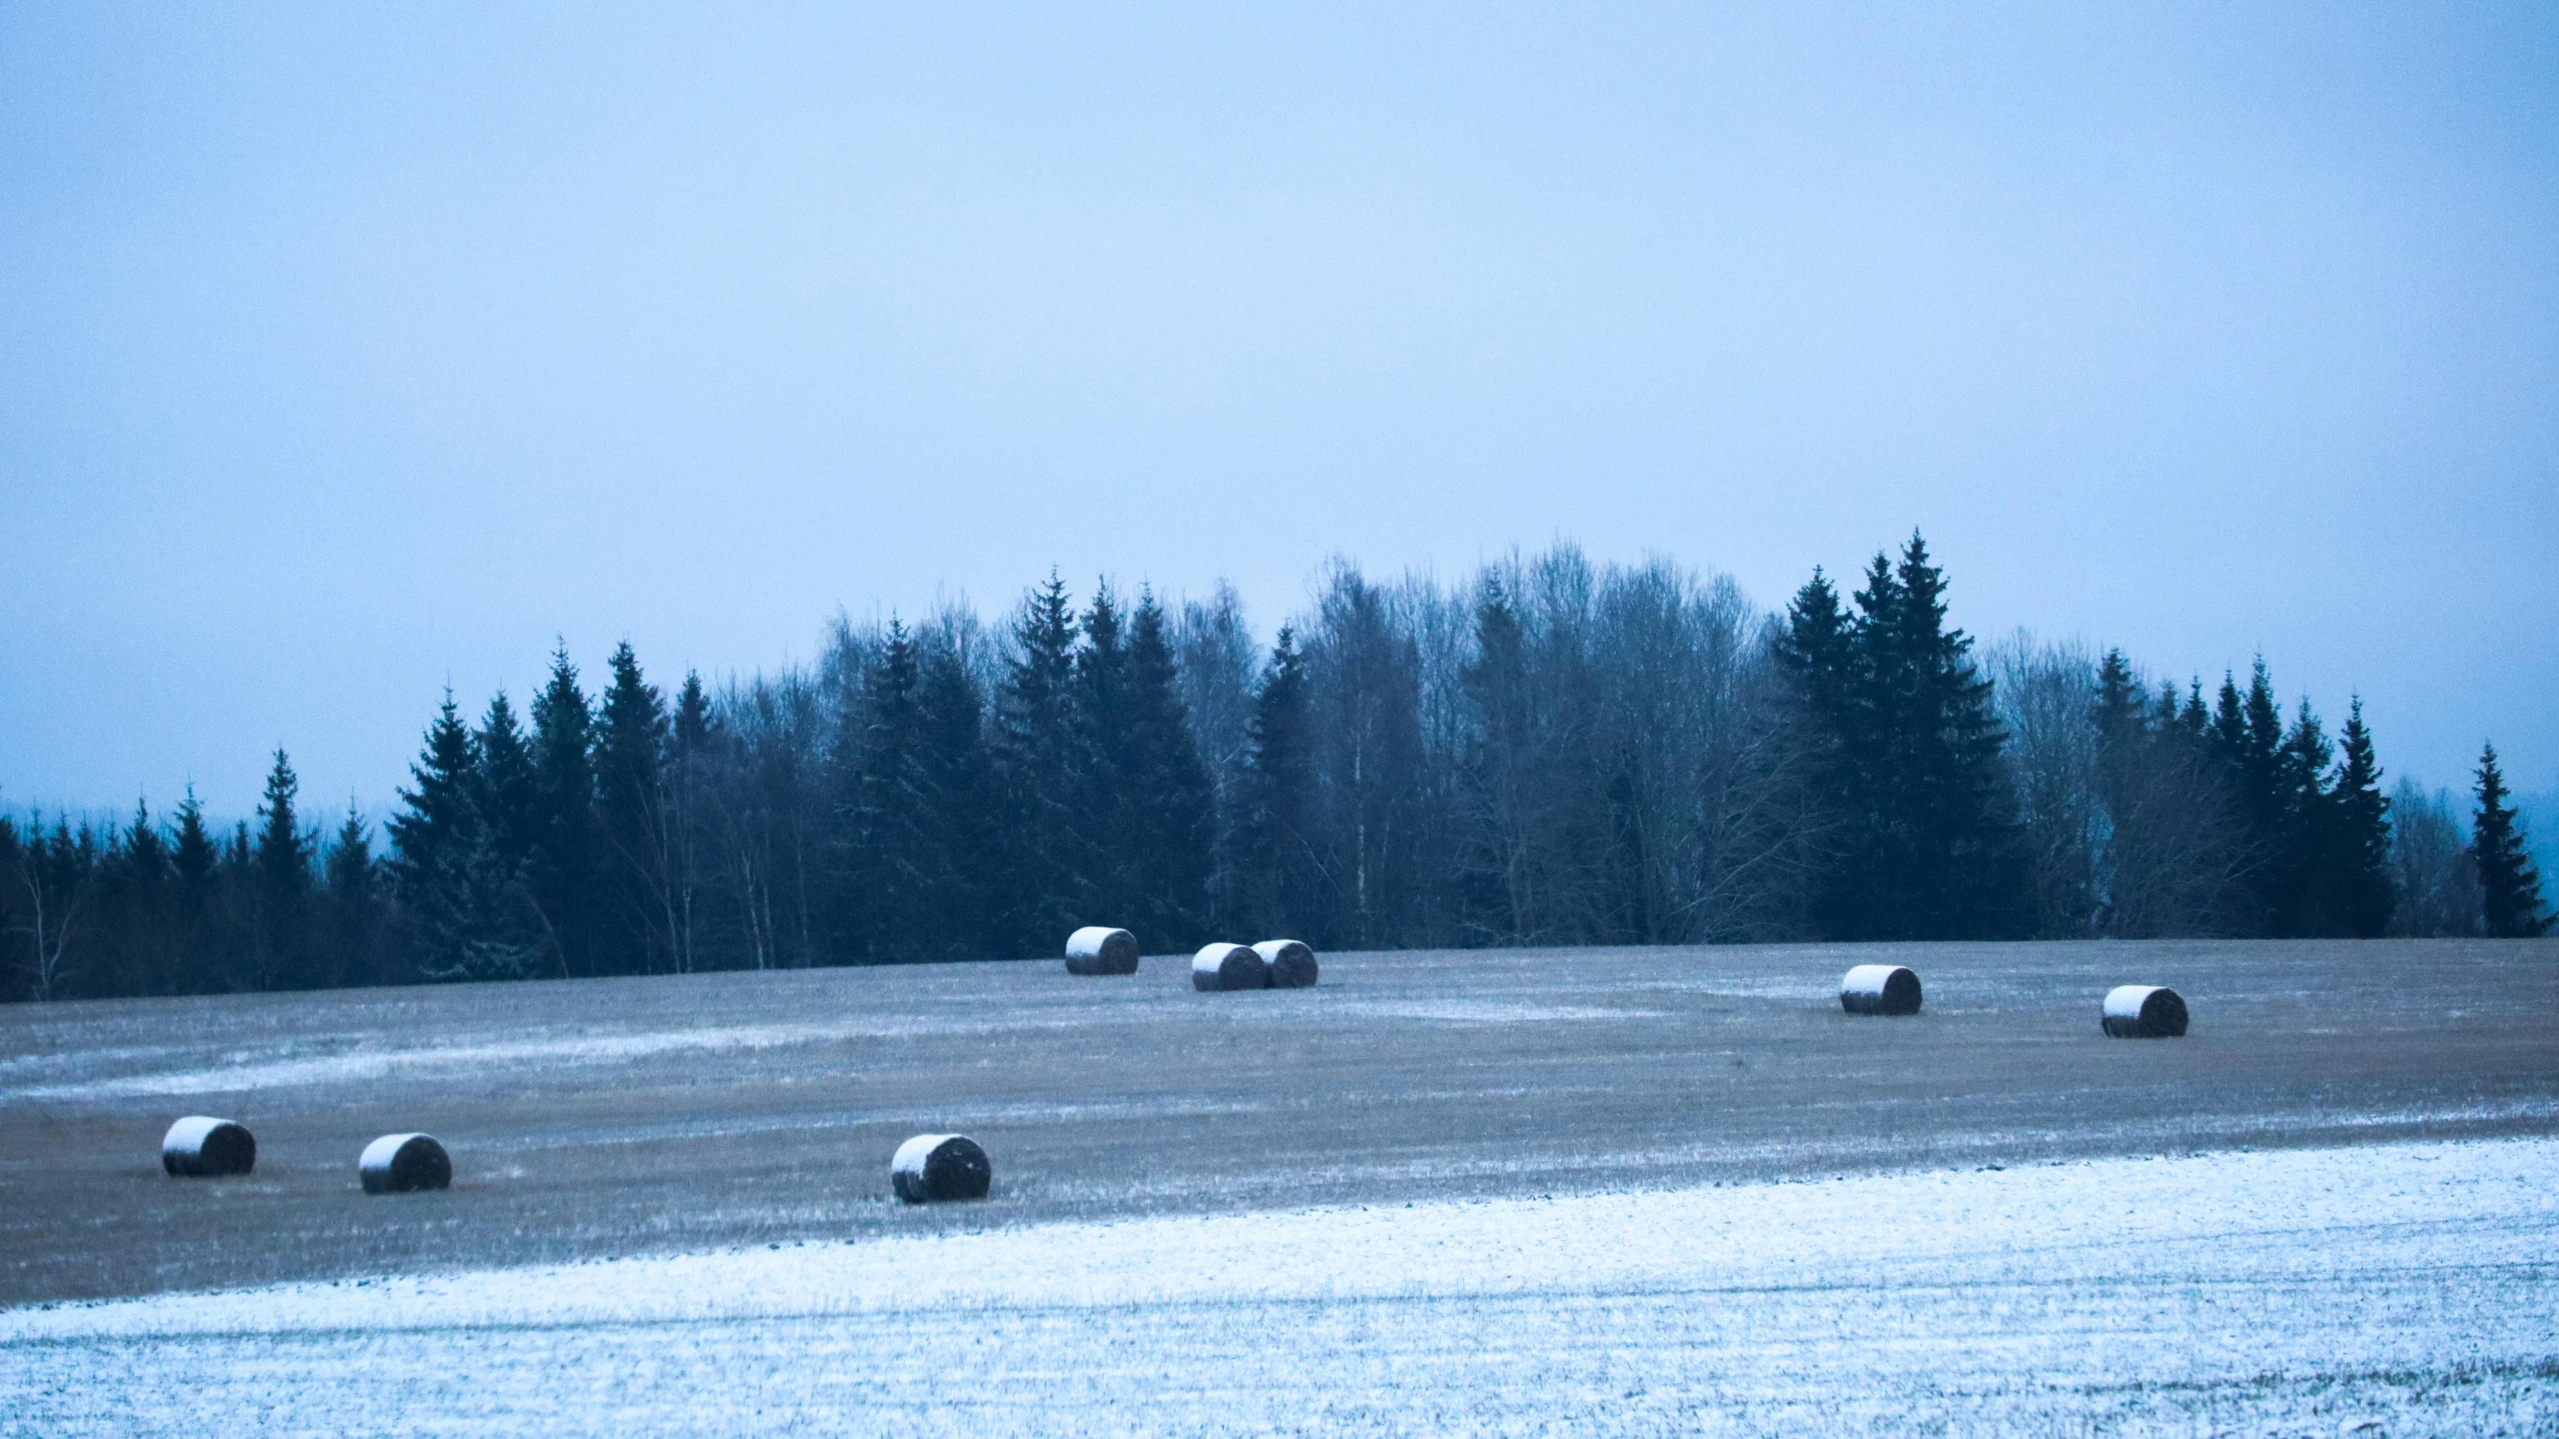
{"points": [[1099, 949], [403, 1164], [1289, 963], [1228, 966], [936, 1168], [2143, 1011], [201, 1147], [1879, 989]]}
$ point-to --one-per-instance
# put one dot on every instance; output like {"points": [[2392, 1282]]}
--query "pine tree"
{"points": [[2509, 885], [564, 861], [631, 813], [2362, 891]]}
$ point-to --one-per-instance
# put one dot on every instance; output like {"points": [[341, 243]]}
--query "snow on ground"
{"points": [[2407, 1288]]}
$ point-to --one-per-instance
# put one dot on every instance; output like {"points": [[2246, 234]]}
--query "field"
{"points": [[1522, 1190]]}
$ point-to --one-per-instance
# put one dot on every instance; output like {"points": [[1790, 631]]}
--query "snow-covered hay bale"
{"points": [[2144, 1011], [404, 1163], [201, 1147], [1228, 966], [1290, 963], [1100, 949], [935, 1168], [1879, 989]]}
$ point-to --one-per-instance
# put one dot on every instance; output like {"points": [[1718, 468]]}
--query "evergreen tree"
{"points": [[2305, 832], [191, 852], [1905, 751], [2363, 893], [504, 792], [893, 867], [695, 725], [1166, 817], [283, 883], [639, 929], [564, 861], [2510, 887], [438, 844], [952, 768], [1282, 896], [1831, 733], [1039, 763], [352, 934]]}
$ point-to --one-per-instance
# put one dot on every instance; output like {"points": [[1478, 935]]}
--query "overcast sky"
{"points": [[352, 351]]}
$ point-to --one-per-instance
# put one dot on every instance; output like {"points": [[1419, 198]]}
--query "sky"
{"points": [[352, 352]]}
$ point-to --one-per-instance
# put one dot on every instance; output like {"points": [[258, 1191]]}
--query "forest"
{"points": [[1551, 751]]}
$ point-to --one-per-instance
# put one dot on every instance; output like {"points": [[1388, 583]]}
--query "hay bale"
{"points": [[1879, 989], [2143, 1011], [1228, 966], [200, 1147], [935, 1168], [1099, 949], [404, 1163], [1289, 963]]}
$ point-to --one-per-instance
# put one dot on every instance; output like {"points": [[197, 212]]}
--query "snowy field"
{"points": [[2404, 1288], [1558, 1191]]}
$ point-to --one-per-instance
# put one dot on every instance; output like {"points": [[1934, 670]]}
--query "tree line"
{"points": [[1549, 752]]}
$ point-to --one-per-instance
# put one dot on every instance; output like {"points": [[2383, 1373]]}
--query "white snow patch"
{"points": [[248, 1073], [2251, 1291]]}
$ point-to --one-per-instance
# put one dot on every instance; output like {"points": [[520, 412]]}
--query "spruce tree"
{"points": [[1166, 816], [191, 851], [283, 883], [1951, 816], [438, 843], [2305, 832], [1038, 753], [1831, 737], [952, 768], [352, 884], [1284, 896], [503, 790], [564, 862], [892, 865], [695, 725], [638, 930], [2363, 894], [2510, 887]]}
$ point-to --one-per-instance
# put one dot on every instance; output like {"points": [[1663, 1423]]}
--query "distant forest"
{"points": [[1551, 752]]}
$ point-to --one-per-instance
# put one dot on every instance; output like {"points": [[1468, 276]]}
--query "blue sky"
{"points": [[348, 352]]}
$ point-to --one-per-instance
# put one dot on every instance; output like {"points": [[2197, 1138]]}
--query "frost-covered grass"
{"points": [[2409, 1287]]}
